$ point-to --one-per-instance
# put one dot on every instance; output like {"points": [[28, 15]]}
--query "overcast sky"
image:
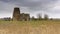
{"points": [[33, 7]]}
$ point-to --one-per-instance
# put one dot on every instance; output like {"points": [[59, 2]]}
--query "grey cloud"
{"points": [[6, 9], [35, 5], [30, 3]]}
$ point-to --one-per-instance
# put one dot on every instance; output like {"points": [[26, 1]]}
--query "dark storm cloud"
{"points": [[34, 5], [31, 3], [47, 6]]}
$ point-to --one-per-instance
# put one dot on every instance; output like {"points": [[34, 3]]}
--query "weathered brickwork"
{"points": [[20, 16]]}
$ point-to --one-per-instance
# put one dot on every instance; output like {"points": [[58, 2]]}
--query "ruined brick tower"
{"points": [[16, 14], [20, 16]]}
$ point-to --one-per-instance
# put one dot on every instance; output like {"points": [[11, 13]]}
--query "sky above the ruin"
{"points": [[33, 7]]}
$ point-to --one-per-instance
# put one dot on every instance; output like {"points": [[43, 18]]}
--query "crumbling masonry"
{"points": [[20, 16]]}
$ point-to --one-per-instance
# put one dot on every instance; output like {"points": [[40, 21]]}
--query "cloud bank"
{"points": [[50, 7]]}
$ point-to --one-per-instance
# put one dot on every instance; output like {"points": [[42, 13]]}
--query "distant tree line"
{"points": [[6, 19], [39, 17]]}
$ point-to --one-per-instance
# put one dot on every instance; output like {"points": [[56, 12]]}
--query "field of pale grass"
{"points": [[30, 27]]}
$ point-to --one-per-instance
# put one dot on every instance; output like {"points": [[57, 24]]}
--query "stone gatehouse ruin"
{"points": [[20, 16]]}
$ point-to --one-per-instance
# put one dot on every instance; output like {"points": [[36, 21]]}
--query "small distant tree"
{"points": [[7, 18], [33, 18], [46, 17], [39, 16], [51, 18]]}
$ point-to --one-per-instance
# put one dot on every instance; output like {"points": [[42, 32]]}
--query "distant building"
{"points": [[24, 17], [20, 16]]}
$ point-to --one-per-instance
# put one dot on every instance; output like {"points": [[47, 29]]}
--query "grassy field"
{"points": [[30, 27]]}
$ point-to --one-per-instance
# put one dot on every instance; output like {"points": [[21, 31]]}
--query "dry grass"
{"points": [[30, 27]]}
